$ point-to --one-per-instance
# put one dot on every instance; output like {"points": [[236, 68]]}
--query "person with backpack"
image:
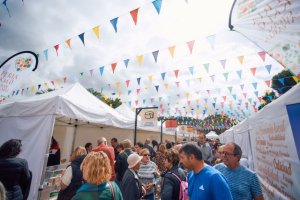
{"points": [[204, 181], [175, 181]]}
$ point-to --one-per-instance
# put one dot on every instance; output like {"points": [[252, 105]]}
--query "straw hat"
{"points": [[133, 159]]}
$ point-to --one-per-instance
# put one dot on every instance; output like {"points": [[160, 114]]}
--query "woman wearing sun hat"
{"points": [[132, 188]]}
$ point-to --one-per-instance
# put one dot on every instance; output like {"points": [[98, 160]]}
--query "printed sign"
{"points": [[15, 69], [148, 117]]}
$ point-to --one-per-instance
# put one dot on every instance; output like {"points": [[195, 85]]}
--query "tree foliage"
{"points": [[267, 98], [114, 103], [283, 81], [44, 91]]}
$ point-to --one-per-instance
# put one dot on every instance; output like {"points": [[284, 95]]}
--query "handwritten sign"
{"points": [[15, 69], [275, 158]]}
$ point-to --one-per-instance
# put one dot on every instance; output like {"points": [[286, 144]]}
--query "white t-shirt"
{"points": [[67, 177]]}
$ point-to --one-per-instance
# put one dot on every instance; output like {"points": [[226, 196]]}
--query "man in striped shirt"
{"points": [[243, 182]]}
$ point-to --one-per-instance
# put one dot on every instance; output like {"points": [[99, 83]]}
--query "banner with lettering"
{"points": [[15, 69], [148, 117], [275, 156], [273, 26]]}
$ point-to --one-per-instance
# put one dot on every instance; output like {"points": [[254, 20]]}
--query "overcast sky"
{"points": [[39, 25]]}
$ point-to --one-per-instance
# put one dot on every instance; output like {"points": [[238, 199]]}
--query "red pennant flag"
{"points": [[259, 99], [134, 14], [113, 67], [268, 82], [224, 97], [176, 73], [245, 95], [52, 83], [65, 79], [56, 47], [127, 83], [253, 70], [136, 102], [262, 55], [138, 91]]}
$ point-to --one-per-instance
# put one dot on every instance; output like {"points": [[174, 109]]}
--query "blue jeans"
{"points": [[150, 196]]}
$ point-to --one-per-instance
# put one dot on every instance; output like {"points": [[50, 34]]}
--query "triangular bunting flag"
{"points": [[234, 96], [212, 78], [113, 67], [144, 101], [177, 83], [242, 87], [81, 37], [166, 86], [129, 91], [56, 47], [191, 69], [253, 70], [211, 41], [136, 102], [126, 63], [155, 54], [150, 78], [134, 14], [206, 66], [127, 83], [256, 93], [223, 63], [68, 42], [171, 50], [96, 31], [254, 85], [268, 83], [190, 45], [226, 75], [268, 67], [101, 70], [156, 87], [65, 79], [241, 59], [91, 72], [262, 55], [239, 72], [114, 23], [163, 75], [296, 79], [140, 59], [281, 80], [138, 81], [157, 5], [46, 54], [230, 89], [176, 73], [118, 85], [138, 91]]}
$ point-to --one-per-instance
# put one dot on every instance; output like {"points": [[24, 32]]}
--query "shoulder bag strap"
{"points": [[176, 177], [112, 190]]}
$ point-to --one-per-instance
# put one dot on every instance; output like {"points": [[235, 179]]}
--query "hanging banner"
{"points": [[275, 156], [272, 25], [14, 70], [148, 117]]}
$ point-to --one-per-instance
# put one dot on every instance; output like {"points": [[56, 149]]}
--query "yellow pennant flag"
{"points": [[118, 85], [32, 89], [68, 41], [140, 59], [166, 86], [241, 59], [150, 78], [96, 31], [146, 88], [171, 50], [46, 85], [119, 94], [296, 79], [58, 81]]}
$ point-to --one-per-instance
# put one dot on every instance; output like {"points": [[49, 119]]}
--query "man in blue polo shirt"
{"points": [[204, 182], [243, 182]]}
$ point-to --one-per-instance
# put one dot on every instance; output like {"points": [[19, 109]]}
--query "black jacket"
{"points": [[76, 180], [131, 186], [121, 164], [16, 178], [171, 185]]}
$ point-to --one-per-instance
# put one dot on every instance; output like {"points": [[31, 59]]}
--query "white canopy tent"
{"points": [[212, 135], [32, 120]]}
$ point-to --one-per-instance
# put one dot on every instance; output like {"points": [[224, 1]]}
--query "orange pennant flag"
{"points": [[171, 50], [118, 85], [96, 31], [176, 73], [140, 59], [68, 41], [166, 86], [134, 14], [253, 70], [113, 67], [241, 59]]}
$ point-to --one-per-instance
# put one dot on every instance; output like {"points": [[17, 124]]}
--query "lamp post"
{"points": [[137, 112]]}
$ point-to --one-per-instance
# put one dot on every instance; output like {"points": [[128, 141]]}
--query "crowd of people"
{"points": [[141, 171]]}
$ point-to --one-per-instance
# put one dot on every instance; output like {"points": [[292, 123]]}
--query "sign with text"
{"points": [[275, 157], [148, 117], [15, 69]]}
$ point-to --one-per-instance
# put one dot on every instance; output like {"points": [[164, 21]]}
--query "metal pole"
{"points": [[161, 130], [135, 125]]}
